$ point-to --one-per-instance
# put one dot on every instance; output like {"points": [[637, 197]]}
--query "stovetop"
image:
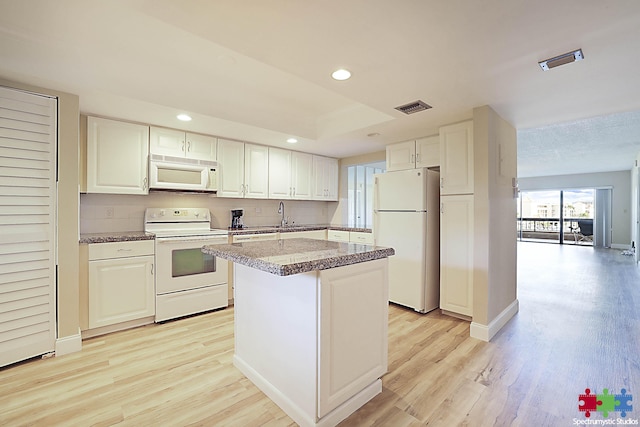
{"points": [[180, 222]]}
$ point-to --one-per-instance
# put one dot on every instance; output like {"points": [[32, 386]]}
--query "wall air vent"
{"points": [[565, 58], [413, 107]]}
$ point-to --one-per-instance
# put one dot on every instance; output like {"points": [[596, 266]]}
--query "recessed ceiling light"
{"points": [[373, 134], [565, 58], [184, 117], [292, 140], [341, 74]]}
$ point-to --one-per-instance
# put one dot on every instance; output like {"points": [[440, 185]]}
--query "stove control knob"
{"points": [[196, 214], [162, 212]]}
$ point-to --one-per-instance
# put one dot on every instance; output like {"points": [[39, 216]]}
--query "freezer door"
{"points": [[401, 190], [404, 232]]}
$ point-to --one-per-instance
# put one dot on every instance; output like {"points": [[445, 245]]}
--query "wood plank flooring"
{"points": [[578, 327]]}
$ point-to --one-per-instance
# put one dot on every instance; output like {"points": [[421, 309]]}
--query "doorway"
{"points": [[564, 216]]}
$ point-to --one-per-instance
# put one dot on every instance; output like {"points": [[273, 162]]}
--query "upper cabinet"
{"points": [[177, 143], [117, 157], [290, 174], [419, 153], [456, 159], [244, 170], [325, 178]]}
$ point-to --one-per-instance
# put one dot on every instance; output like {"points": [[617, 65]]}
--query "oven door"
{"points": [[181, 265]]}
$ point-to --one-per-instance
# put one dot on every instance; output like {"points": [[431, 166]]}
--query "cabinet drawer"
{"points": [[361, 237], [120, 249], [254, 237], [337, 236]]}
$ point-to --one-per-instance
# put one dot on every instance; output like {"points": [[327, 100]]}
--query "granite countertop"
{"points": [[127, 236], [293, 228], [293, 256]]}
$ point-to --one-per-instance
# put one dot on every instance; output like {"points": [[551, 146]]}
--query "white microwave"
{"points": [[176, 173]]}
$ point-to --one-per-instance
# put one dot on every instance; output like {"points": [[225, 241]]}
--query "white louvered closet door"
{"points": [[28, 140]]}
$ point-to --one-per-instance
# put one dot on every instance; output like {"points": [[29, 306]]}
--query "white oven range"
{"points": [[187, 280]]}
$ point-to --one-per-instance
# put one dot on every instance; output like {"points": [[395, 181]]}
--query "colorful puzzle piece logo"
{"points": [[605, 402]]}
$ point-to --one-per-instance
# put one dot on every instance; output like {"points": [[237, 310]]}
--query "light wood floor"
{"points": [[578, 327]]}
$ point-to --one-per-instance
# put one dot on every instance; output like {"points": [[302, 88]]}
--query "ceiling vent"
{"points": [[413, 107], [563, 59]]}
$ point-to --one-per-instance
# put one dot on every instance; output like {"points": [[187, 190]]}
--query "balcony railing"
{"points": [[547, 228]]}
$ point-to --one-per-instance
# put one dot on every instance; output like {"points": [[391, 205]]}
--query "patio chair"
{"points": [[584, 232]]}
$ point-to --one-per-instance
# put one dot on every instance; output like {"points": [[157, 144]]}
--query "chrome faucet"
{"points": [[283, 220]]}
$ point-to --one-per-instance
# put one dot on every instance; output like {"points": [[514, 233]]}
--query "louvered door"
{"points": [[27, 224]]}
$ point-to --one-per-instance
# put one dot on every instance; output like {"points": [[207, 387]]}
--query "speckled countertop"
{"points": [[116, 237], [293, 228], [293, 256]]}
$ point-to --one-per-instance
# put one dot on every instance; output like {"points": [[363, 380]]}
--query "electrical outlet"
{"points": [[108, 212], [258, 210]]}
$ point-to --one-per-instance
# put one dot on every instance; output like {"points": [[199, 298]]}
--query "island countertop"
{"points": [[294, 256]]}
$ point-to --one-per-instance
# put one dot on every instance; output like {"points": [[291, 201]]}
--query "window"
{"points": [[360, 193]]}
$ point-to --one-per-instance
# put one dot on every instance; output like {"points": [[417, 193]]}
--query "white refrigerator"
{"points": [[407, 218]]}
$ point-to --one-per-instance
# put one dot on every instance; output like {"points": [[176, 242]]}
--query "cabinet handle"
{"points": [[291, 191], [152, 269], [183, 146], [294, 192], [441, 208], [145, 184], [417, 157], [441, 182], [413, 158], [189, 146], [124, 250]]}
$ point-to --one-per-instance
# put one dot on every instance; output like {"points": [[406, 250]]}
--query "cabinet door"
{"points": [[456, 254], [256, 171], [168, 142], [325, 178], [456, 159], [120, 290], [401, 156], [201, 147], [280, 186], [231, 160], [117, 156], [428, 152], [331, 179], [301, 175]]}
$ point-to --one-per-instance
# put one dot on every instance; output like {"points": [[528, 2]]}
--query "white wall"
{"points": [[621, 196], [100, 213]]}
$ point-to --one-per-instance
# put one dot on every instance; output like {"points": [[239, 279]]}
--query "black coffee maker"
{"points": [[236, 218]]}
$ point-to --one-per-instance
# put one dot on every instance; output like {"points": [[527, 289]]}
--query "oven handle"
{"points": [[209, 240]]}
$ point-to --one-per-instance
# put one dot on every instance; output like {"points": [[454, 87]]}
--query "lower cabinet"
{"points": [[456, 254], [121, 282], [312, 234]]}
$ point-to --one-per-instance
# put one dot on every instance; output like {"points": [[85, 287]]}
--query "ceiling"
{"points": [[259, 70]]}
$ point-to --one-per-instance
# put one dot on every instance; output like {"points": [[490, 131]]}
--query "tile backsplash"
{"points": [[107, 213]]}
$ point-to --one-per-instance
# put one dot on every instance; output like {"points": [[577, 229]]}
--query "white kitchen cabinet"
{"points": [[231, 161], [258, 237], [290, 174], [325, 178], [117, 157], [256, 171], [428, 152], [244, 170], [177, 143], [310, 234], [456, 254], [456, 159], [121, 282], [338, 236], [279, 174], [361, 237], [419, 153]]}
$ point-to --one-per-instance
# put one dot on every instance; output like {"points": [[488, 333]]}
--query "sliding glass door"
{"points": [[556, 216]]}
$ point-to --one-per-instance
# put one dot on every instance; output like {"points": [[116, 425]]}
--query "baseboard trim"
{"points": [[620, 246], [70, 344], [486, 332]]}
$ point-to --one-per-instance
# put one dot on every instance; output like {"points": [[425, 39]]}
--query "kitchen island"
{"points": [[311, 323]]}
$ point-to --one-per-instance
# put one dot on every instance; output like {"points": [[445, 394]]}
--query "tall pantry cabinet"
{"points": [[456, 218]]}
